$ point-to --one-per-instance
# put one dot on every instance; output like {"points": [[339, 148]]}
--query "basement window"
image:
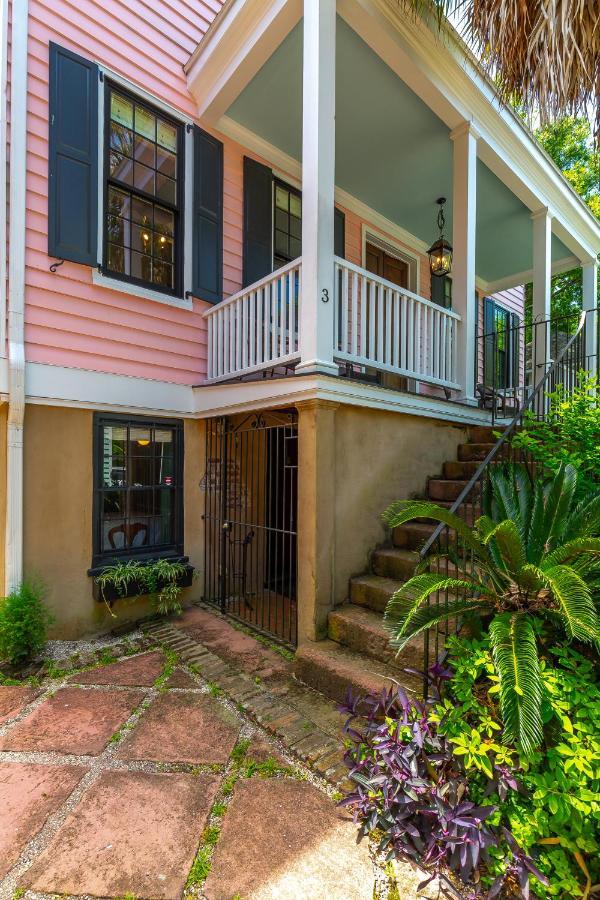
{"points": [[138, 489]]}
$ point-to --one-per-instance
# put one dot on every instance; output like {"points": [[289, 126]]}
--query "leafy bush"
{"points": [[536, 553], [569, 434], [23, 623], [159, 579], [412, 789], [550, 800]]}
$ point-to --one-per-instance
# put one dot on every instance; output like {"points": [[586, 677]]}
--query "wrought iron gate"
{"points": [[250, 516]]}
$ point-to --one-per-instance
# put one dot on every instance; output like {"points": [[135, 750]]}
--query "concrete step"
{"points": [[373, 591], [483, 434], [413, 535], [456, 470], [331, 668], [473, 451], [363, 630], [392, 562], [445, 489]]}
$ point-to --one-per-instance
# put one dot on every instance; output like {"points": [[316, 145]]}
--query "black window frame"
{"points": [[178, 208], [173, 549], [278, 182]]}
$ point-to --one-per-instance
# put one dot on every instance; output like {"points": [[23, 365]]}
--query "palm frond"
{"points": [[507, 538], [584, 519], [427, 616], [536, 541], [406, 510], [405, 603], [559, 501], [514, 652], [567, 553], [574, 601]]}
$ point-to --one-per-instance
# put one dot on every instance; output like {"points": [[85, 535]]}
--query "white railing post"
{"points": [[590, 303], [318, 175], [464, 210], [542, 276]]}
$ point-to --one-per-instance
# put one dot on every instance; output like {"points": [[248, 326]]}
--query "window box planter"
{"points": [[135, 589]]}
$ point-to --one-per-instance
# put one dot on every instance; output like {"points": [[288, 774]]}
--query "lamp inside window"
{"points": [[440, 252]]}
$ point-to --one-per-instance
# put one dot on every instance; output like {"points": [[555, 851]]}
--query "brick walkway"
{"points": [[176, 772]]}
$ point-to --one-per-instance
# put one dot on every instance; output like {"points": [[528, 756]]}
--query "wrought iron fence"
{"points": [[575, 350]]}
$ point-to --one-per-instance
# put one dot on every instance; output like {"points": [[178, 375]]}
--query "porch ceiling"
{"points": [[392, 152]]}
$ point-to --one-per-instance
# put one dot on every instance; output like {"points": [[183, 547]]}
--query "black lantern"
{"points": [[440, 253]]}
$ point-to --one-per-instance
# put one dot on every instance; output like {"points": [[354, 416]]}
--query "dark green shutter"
{"points": [[339, 233], [258, 221], [488, 342], [514, 348], [73, 158], [207, 231]]}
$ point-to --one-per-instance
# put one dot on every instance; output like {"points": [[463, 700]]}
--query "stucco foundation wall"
{"points": [[3, 421], [379, 457], [58, 493]]}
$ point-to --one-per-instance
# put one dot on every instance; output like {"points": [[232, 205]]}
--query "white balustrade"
{"points": [[379, 325], [257, 328]]}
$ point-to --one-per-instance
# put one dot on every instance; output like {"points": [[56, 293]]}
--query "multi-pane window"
{"points": [[138, 488], [143, 160], [287, 224]]}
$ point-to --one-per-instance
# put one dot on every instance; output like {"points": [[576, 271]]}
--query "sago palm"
{"points": [[533, 555]]}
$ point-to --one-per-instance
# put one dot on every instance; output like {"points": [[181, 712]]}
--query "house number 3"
{"points": [[325, 295]]}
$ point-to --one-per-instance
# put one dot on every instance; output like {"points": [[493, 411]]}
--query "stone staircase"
{"points": [[356, 653]]}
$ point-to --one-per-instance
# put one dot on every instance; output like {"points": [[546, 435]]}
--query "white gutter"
{"points": [[16, 297]]}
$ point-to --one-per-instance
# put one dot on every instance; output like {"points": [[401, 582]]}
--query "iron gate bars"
{"points": [[250, 518]]}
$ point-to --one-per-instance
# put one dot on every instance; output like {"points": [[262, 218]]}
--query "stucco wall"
{"points": [[3, 419], [380, 457], [58, 480]]}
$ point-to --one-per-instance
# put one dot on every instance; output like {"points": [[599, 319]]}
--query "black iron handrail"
{"points": [[505, 435]]}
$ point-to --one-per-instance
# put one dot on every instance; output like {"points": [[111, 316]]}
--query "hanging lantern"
{"points": [[440, 252]]}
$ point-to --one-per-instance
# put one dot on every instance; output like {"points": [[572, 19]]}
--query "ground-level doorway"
{"points": [[250, 516]]}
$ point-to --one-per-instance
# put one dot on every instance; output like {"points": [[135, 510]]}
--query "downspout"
{"points": [[16, 297]]}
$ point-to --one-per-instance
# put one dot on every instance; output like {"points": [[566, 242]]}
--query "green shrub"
{"points": [[23, 623], [570, 433], [550, 799], [536, 559]]}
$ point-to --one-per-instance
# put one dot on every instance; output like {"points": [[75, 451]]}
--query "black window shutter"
{"points": [[73, 158], [258, 221], [339, 233], [489, 342], [514, 349], [207, 278]]}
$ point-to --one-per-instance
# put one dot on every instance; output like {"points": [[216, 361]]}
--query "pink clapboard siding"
{"points": [[70, 321]]}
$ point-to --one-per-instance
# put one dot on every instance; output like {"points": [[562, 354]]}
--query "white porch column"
{"points": [[463, 259], [542, 276], [318, 176], [590, 302]]}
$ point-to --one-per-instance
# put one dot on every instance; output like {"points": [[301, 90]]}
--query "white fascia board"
{"points": [[230, 399], [86, 389], [243, 37]]}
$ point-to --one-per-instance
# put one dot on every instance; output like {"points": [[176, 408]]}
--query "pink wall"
{"points": [[69, 320]]}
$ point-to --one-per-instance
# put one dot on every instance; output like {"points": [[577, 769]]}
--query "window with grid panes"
{"points": [[143, 169], [287, 224], [138, 502]]}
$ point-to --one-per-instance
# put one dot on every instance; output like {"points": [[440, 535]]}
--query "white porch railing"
{"points": [[381, 326], [257, 328]]}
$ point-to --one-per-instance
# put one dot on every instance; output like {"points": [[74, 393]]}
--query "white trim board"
{"points": [[84, 389]]}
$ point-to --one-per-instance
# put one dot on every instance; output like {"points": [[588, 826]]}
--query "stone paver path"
{"points": [[142, 779]]}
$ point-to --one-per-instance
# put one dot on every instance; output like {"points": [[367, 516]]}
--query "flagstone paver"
{"points": [[74, 720], [187, 728], [132, 833], [181, 679], [13, 699], [137, 671], [283, 840], [28, 795]]}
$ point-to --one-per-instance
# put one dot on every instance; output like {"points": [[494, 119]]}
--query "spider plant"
{"points": [[535, 553]]}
